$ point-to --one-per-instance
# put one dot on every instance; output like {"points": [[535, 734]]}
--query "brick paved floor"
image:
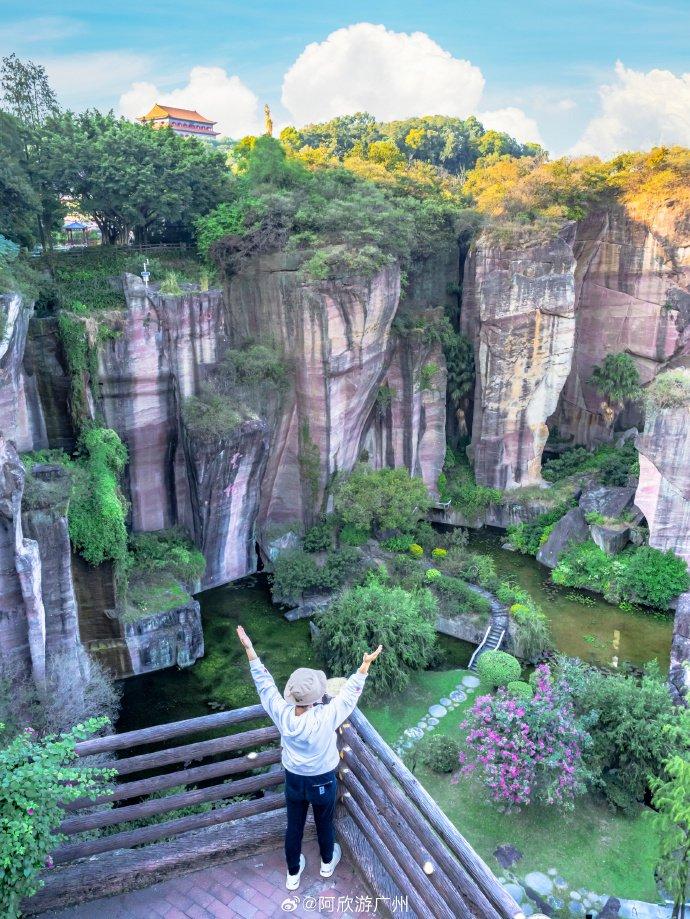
{"points": [[249, 888]]}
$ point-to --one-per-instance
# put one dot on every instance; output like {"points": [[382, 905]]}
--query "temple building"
{"points": [[183, 121]]}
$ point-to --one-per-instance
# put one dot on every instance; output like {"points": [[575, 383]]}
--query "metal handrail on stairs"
{"points": [[480, 647]]}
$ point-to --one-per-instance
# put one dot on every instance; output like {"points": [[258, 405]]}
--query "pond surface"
{"points": [[221, 678], [583, 624]]}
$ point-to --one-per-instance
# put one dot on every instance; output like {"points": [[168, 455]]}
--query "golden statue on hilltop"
{"points": [[268, 121]]}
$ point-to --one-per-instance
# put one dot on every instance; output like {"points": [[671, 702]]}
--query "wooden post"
{"points": [[160, 732], [189, 752], [391, 866], [142, 787]]}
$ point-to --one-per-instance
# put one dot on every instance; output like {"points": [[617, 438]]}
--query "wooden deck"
{"points": [[250, 888]]}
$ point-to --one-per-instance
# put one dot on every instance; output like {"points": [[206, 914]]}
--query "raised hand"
{"points": [[369, 658], [244, 638], [372, 655]]}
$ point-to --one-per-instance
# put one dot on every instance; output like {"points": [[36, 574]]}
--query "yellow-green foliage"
{"points": [[416, 551]]}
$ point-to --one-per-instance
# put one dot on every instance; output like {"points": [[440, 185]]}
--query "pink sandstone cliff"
{"points": [[519, 310], [633, 296]]}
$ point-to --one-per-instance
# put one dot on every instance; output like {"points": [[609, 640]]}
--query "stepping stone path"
{"points": [[577, 903], [539, 882], [438, 710]]}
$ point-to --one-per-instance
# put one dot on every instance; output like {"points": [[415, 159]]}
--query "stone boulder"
{"points": [[570, 530], [612, 538], [607, 500]]}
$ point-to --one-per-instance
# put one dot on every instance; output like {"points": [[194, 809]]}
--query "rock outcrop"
{"points": [[338, 338], [663, 492], [38, 616], [633, 296], [21, 418], [679, 671], [174, 637], [519, 310]]}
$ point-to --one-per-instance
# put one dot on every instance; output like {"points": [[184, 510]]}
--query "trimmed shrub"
{"points": [[439, 752], [433, 575], [416, 551], [439, 553], [520, 689], [497, 668]]}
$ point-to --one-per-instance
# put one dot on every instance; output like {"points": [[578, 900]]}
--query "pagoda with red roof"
{"points": [[183, 121]]}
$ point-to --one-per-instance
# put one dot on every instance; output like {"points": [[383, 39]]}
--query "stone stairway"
{"points": [[492, 641]]}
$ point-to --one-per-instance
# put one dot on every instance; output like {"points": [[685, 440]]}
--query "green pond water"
{"points": [[598, 631], [221, 678]]}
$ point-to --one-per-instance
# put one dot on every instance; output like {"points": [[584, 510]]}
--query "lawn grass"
{"points": [[591, 847]]}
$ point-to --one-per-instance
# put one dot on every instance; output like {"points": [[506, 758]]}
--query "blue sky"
{"points": [[536, 66]]}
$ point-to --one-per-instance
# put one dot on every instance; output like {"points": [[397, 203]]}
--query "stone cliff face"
{"points": [[355, 389], [21, 418], [338, 337], [663, 491], [38, 612], [543, 316], [633, 296], [519, 310]]}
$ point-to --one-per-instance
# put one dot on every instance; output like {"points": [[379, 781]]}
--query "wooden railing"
{"points": [[390, 827], [416, 845], [213, 775]]}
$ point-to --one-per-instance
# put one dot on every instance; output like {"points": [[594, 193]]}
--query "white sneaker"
{"points": [[292, 880], [328, 869]]}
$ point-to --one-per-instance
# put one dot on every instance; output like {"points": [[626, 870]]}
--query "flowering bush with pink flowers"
{"points": [[526, 750]]}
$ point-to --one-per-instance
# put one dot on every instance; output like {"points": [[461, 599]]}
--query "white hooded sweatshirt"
{"points": [[308, 740]]}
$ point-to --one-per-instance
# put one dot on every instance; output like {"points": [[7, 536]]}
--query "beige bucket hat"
{"points": [[305, 686]]}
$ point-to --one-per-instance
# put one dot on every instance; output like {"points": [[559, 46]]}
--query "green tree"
{"points": [[671, 798], [652, 577], [26, 91], [28, 96], [20, 203], [618, 380], [382, 499], [38, 777], [630, 739], [375, 613], [131, 177]]}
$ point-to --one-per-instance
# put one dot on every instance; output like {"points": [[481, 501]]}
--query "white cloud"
{"points": [[366, 67], [514, 122], [211, 91], [93, 79], [40, 29], [638, 111]]}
